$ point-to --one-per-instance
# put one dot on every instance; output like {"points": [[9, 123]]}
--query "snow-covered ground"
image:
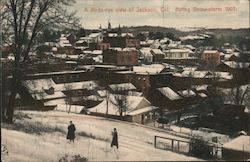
{"points": [[135, 142]]}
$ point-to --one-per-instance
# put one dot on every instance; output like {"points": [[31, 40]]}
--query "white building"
{"points": [[178, 53]]}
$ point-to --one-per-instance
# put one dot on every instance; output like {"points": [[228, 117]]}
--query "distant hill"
{"points": [[218, 32]]}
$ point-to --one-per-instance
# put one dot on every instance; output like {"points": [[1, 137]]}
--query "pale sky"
{"points": [[178, 13]]}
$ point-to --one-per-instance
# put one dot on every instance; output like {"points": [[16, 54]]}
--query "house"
{"points": [[146, 54], [240, 70], [103, 46], [83, 42], [178, 53], [158, 55], [138, 109], [165, 98], [237, 150], [115, 41], [42, 89], [180, 56], [96, 37], [122, 88], [145, 77], [121, 57], [211, 57], [130, 42]]}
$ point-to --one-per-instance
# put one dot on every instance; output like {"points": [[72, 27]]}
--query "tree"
{"points": [[22, 25], [141, 37], [81, 33]]}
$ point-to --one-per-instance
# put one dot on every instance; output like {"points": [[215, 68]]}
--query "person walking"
{"points": [[71, 132], [115, 138]]}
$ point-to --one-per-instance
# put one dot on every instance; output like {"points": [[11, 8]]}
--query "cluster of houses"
{"points": [[156, 74], [113, 74]]}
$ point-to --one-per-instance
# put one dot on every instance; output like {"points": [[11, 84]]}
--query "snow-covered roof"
{"points": [[210, 51], [102, 93], [223, 75], [57, 73], [190, 47], [143, 110], [84, 38], [179, 50], [96, 52], [127, 34], [89, 85], [38, 85], [61, 105], [150, 41], [73, 56], [172, 45], [150, 69], [157, 51], [241, 143], [132, 103], [98, 58], [45, 96], [145, 51], [200, 87], [169, 93], [134, 93], [122, 87], [192, 37], [37, 88], [239, 65], [112, 34], [93, 35], [194, 74], [91, 98], [202, 95], [187, 93]]}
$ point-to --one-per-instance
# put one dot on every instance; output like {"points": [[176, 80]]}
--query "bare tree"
{"points": [[69, 95], [22, 22]]}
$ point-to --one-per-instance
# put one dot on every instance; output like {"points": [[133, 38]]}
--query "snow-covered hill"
{"points": [[41, 136]]}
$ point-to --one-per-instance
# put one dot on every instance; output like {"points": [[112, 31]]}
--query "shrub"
{"points": [[37, 128], [199, 147], [74, 158]]}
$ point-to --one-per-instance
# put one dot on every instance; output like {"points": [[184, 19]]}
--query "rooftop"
{"points": [[241, 143], [169, 93]]}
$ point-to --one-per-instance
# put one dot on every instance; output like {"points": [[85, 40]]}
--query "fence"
{"points": [[185, 146]]}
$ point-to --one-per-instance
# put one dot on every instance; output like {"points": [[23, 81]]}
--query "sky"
{"points": [[166, 13]]}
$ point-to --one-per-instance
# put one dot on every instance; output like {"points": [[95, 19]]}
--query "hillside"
{"points": [[218, 32], [41, 136]]}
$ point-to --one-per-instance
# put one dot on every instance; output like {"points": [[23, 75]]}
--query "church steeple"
{"points": [[109, 25], [119, 31]]}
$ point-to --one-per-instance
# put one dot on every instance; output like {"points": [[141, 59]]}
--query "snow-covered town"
{"points": [[163, 94]]}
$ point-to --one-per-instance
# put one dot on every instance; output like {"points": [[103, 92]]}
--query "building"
{"points": [[103, 46], [158, 55], [96, 37], [146, 55], [120, 57], [211, 57], [237, 150], [166, 98], [132, 42], [178, 53], [138, 109]]}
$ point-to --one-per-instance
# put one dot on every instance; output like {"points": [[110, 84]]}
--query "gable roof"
{"points": [[235, 65], [132, 103], [187, 93], [122, 87], [169, 93]]}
